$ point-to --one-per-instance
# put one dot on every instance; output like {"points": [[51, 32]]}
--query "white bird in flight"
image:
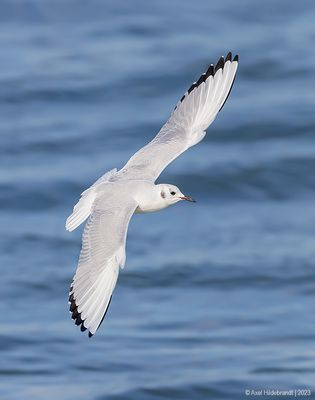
{"points": [[112, 200]]}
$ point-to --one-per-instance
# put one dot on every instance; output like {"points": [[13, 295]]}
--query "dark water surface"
{"points": [[216, 297]]}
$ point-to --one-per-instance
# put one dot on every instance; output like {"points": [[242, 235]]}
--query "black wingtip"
{"points": [[192, 87], [220, 64], [78, 320], [72, 306], [75, 314], [228, 57], [201, 79], [210, 70]]}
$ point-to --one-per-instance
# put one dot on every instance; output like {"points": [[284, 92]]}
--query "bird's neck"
{"points": [[149, 199]]}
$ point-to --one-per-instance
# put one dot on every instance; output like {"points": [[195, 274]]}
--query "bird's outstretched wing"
{"points": [[186, 127], [103, 251]]}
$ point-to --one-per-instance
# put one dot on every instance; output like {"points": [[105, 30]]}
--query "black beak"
{"points": [[187, 198]]}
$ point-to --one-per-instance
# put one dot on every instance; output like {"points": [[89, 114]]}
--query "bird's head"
{"points": [[171, 194]]}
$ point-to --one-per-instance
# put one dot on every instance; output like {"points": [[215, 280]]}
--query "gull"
{"points": [[112, 200]]}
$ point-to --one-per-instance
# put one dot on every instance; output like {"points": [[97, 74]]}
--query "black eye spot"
{"points": [[173, 193]]}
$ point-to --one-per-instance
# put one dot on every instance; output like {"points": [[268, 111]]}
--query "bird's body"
{"points": [[112, 200]]}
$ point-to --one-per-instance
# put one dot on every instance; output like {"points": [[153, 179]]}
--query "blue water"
{"points": [[217, 297]]}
